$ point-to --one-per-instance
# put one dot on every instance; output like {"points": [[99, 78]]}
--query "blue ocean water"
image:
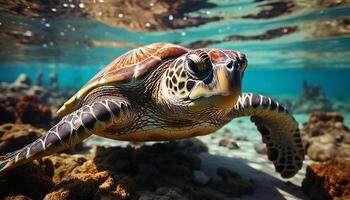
{"points": [[286, 42]]}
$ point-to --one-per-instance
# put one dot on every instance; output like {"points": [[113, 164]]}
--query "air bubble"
{"points": [[81, 5], [171, 17], [28, 33]]}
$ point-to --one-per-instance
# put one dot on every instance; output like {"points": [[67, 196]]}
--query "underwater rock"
{"points": [[312, 99], [7, 115], [232, 183], [192, 145], [19, 197], [23, 79], [14, 136], [228, 143], [29, 181], [330, 180], [260, 148], [162, 193], [134, 172], [30, 111], [241, 138], [200, 178], [326, 137]]}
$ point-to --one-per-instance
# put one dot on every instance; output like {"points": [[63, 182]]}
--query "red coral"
{"points": [[30, 111]]}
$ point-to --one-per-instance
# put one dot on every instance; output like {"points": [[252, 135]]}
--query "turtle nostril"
{"points": [[229, 65]]}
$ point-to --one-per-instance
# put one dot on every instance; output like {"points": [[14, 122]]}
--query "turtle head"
{"points": [[205, 80]]}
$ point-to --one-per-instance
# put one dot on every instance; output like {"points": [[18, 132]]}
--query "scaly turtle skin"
{"points": [[163, 92]]}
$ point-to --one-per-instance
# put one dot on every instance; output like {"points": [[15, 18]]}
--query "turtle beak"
{"points": [[222, 92]]}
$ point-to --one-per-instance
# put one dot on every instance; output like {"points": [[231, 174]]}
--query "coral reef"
{"points": [[312, 98], [330, 180], [31, 180], [170, 169], [326, 137], [30, 111], [22, 101], [14, 136]]}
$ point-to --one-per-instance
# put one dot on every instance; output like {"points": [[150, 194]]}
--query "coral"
{"points": [[19, 197], [32, 180], [164, 170], [14, 136], [325, 137], [30, 111], [330, 180], [14, 92]]}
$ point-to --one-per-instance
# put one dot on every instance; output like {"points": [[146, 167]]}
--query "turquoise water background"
{"points": [[277, 65]]}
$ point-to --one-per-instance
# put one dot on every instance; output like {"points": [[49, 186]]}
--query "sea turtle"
{"points": [[163, 91]]}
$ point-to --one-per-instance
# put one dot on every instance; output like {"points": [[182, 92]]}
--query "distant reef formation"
{"points": [[26, 102], [326, 137], [170, 170], [312, 98]]}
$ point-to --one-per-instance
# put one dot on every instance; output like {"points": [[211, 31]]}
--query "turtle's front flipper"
{"points": [[71, 130], [278, 128]]}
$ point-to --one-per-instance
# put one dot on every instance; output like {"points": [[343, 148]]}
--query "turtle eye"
{"points": [[197, 66]]}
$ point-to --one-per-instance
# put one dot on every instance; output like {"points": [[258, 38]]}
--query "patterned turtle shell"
{"points": [[131, 65]]}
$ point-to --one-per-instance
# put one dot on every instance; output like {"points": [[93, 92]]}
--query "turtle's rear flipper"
{"points": [[71, 130], [278, 128]]}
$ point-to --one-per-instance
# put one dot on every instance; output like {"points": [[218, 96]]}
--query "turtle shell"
{"points": [[131, 65]]}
